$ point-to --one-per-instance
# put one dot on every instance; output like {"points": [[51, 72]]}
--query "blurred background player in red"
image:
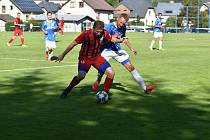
{"points": [[61, 26], [17, 31], [90, 56]]}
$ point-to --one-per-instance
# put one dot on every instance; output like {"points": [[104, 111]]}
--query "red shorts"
{"points": [[18, 32], [97, 62]]}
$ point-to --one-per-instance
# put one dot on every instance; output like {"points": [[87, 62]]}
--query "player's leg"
{"points": [[51, 47], [161, 41], [153, 41], [124, 60], [147, 89], [83, 68], [107, 55], [152, 44], [75, 81], [96, 84], [104, 67], [62, 31], [20, 33], [50, 53], [109, 79], [22, 40], [11, 39], [46, 51]]}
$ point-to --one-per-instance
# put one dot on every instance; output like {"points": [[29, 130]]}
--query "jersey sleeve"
{"points": [[81, 38], [43, 26], [111, 29], [107, 36]]}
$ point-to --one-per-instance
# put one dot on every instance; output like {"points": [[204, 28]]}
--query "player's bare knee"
{"points": [[129, 67], [110, 72]]}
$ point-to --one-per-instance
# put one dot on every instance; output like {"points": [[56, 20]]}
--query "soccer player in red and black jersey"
{"points": [[90, 55], [17, 31]]}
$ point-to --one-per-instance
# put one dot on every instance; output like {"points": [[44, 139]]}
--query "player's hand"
{"points": [[125, 40], [134, 51], [163, 26], [60, 58], [45, 32]]}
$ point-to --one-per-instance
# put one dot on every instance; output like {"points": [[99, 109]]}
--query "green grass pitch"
{"points": [[30, 107]]}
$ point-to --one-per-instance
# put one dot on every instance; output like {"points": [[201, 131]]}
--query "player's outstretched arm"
{"points": [[128, 44], [66, 51]]}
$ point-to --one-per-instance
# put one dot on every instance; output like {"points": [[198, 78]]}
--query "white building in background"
{"points": [[73, 23], [12, 7], [170, 9], [96, 9], [4, 18], [150, 17]]}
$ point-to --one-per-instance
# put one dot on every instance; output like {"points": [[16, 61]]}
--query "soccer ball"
{"points": [[102, 97]]}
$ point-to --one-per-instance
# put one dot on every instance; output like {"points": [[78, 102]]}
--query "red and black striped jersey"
{"points": [[91, 44], [17, 21]]}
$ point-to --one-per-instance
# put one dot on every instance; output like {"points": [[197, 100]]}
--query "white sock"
{"points": [[138, 78], [152, 44], [160, 44], [50, 55]]}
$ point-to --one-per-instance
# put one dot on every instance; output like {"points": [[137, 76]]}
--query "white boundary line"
{"points": [[21, 59], [23, 69]]}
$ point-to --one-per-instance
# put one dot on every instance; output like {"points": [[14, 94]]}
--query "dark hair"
{"points": [[49, 13], [98, 24], [159, 14], [124, 15]]}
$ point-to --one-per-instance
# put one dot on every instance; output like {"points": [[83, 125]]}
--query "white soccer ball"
{"points": [[102, 97]]}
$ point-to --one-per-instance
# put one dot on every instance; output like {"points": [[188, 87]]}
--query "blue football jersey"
{"points": [[158, 23], [113, 29], [50, 27]]}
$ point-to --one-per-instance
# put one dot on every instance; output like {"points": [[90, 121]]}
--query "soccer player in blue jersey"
{"points": [[49, 28], [114, 50], [158, 34]]}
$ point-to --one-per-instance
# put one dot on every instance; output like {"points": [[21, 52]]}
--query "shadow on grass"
{"points": [[31, 109]]}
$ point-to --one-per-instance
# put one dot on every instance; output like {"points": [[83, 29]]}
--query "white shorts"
{"points": [[121, 56], [50, 44], [158, 34]]}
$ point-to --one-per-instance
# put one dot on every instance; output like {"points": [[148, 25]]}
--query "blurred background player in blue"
{"points": [[113, 50], [158, 34], [49, 28]]}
